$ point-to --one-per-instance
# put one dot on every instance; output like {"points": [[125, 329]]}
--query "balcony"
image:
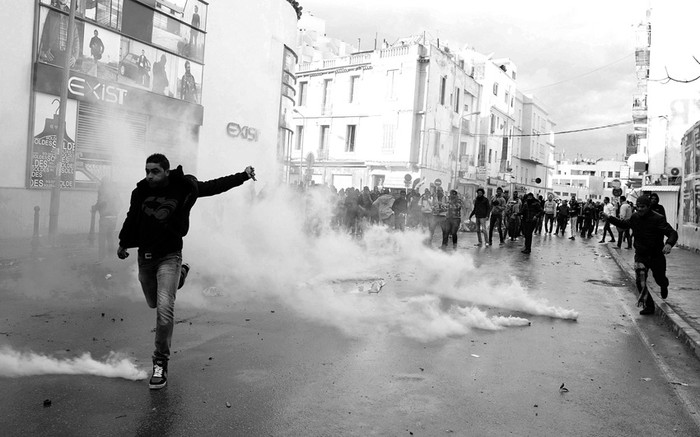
{"points": [[343, 61]]}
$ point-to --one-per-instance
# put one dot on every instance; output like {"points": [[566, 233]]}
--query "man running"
{"points": [[649, 230], [158, 219]]}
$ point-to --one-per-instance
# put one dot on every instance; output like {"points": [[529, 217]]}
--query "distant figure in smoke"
{"points": [[160, 77], [531, 212], [107, 206], [649, 249], [194, 34], [157, 220], [188, 86]]}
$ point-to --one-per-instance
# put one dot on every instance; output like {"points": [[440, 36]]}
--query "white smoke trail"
{"points": [[16, 364], [262, 250]]}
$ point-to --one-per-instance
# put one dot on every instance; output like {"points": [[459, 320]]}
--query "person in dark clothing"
{"points": [[157, 220], [530, 212], [562, 218], [589, 211], [481, 210], [649, 249], [453, 218], [400, 208], [656, 206], [498, 206], [574, 211]]}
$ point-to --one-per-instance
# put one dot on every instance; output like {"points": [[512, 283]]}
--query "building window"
{"points": [[490, 155], [323, 141], [436, 146], [443, 86], [388, 138], [493, 123], [495, 88], [353, 88], [300, 137], [350, 138], [457, 100], [391, 84], [302, 93], [327, 93], [507, 96], [617, 174]]}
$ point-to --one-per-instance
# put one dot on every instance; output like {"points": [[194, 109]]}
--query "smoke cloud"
{"points": [[281, 246], [16, 364]]}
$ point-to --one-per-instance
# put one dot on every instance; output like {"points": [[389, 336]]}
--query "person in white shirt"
{"points": [[624, 214], [608, 209]]}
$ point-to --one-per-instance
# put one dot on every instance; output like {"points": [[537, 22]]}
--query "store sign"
{"points": [[88, 89], [235, 130]]}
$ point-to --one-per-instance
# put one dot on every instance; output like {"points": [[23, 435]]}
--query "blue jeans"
{"points": [[159, 277]]}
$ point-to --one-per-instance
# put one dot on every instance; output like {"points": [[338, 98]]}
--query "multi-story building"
{"points": [[666, 41], [590, 179], [137, 84], [533, 152], [389, 117]]}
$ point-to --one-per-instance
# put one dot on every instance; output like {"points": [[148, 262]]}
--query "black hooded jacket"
{"points": [[649, 232], [158, 218]]}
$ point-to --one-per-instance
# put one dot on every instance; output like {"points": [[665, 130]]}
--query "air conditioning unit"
{"points": [[675, 171]]}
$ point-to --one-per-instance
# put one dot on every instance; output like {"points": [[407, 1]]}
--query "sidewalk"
{"points": [[681, 310], [14, 250]]}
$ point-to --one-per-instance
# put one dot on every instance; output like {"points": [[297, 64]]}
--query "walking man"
{"points": [[624, 214], [574, 211], [157, 221], [649, 249], [550, 208], [453, 218], [531, 212], [608, 209], [481, 210], [498, 205]]}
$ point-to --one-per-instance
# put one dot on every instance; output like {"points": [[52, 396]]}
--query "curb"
{"points": [[684, 332]]}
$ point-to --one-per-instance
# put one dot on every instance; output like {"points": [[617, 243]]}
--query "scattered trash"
{"points": [[646, 379], [377, 286], [212, 292], [228, 404], [47, 402], [475, 355], [682, 384], [108, 276], [421, 369], [563, 389]]}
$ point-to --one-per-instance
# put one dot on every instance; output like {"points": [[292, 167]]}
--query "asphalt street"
{"points": [[254, 365]]}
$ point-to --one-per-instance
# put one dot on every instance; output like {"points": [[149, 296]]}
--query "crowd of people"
{"points": [[511, 216]]}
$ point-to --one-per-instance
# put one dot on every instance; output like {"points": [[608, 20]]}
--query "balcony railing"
{"points": [[343, 61]]}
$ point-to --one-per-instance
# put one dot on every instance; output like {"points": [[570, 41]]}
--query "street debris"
{"points": [[108, 276], [377, 286], [47, 403], [228, 404], [475, 356], [646, 379], [563, 389], [682, 384], [212, 292]]}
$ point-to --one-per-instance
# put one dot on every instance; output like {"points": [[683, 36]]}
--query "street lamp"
{"points": [[459, 144], [301, 147]]}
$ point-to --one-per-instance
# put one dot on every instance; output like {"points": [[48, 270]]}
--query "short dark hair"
{"points": [[643, 200], [160, 159], [622, 198], [480, 189]]}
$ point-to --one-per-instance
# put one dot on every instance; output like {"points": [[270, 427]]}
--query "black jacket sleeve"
{"points": [[128, 234], [220, 185]]}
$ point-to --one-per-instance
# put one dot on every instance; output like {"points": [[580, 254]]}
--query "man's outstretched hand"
{"points": [[251, 172], [122, 253]]}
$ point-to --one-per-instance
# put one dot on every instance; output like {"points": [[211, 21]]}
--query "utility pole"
{"points": [[60, 137]]}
